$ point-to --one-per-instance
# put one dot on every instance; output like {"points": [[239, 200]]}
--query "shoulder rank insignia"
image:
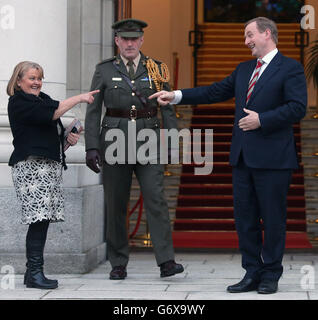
{"points": [[107, 60]]}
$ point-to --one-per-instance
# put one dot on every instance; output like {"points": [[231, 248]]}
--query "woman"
{"points": [[37, 160]]}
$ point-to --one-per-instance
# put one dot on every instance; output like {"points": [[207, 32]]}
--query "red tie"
{"points": [[254, 79]]}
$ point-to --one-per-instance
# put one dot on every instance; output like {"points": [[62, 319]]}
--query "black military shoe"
{"points": [[245, 285], [170, 268], [118, 273], [267, 286]]}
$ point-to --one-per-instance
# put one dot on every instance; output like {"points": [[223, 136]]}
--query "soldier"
{"points": [[125, 83]]}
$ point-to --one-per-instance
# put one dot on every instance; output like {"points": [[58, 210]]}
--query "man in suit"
{"points": [[270, 95], [124, 83]]}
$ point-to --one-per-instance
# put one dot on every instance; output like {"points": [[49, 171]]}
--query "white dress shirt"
{"points": [[135, 62]]}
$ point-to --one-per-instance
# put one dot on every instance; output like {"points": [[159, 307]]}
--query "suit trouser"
{"points": [[117, 183], [261, 195]]}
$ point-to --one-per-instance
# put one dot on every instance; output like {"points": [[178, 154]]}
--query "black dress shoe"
{"points": [[245, 285], [118, 273], [267, 286], [170, 268]]}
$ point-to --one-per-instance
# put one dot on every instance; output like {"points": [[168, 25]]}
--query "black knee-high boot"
{"points": [[55, 282], [35, 242]]}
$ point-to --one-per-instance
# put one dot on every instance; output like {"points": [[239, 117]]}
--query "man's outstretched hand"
{"points": [[163, 97]]}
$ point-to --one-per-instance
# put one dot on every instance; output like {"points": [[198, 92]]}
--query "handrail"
{"points": [[175, 70], [140, 204]]}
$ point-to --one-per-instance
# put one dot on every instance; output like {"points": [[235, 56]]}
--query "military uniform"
{"points": [[120, 99]]}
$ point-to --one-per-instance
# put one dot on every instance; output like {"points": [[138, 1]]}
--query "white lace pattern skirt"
{"points": [[38, 185]]}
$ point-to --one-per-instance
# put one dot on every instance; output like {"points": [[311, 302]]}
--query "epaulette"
{"points": [[157, 61], [107, 60]]}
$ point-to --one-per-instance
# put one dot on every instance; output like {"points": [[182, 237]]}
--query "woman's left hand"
{"points": [[72, 138]]}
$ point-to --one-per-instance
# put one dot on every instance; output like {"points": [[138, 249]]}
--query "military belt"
{"points": [[132, 113]]}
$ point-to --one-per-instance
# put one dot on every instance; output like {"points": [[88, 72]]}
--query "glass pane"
{"points": [[243, 10]]}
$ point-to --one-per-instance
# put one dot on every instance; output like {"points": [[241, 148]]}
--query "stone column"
{"points": [[30, 30], [39, 31]]}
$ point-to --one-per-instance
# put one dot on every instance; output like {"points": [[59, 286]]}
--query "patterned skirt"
{"points": [[38, 185]]}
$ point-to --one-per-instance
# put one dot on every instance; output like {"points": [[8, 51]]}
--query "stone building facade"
{"points": [[67, 38]]}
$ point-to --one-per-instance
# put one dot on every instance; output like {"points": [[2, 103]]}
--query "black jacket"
{"points": [[34, 131]]}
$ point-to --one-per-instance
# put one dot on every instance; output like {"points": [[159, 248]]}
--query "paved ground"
{"points": [[206, 277]]}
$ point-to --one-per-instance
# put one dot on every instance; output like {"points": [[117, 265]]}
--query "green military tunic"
{"points": [[116, 93]]}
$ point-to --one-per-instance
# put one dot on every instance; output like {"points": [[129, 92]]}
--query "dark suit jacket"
{"points": [[34, 131], [280, 99]]}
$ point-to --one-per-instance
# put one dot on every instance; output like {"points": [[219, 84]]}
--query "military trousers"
{"points": [[117, 180]]}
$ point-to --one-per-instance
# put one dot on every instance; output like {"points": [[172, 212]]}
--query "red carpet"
{"points": [[204, 213]]}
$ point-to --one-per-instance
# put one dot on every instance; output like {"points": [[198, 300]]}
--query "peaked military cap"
{"points": [[129, 28]]}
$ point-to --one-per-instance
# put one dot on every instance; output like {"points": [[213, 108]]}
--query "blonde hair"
{"points": [[18, 73]]}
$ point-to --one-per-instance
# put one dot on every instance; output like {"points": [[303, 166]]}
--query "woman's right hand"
{"points": [[69, 103], [88, 97]]}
